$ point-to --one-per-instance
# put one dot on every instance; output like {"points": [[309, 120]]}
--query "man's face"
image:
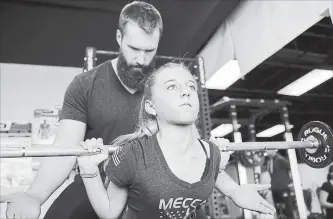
{"points": [[137, 50]]}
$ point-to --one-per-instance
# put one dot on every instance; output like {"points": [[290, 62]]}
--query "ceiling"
{"points": [[312, 49], [56, 32]]}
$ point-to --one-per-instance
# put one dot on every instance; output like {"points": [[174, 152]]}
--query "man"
{"points": [[101, 103]]}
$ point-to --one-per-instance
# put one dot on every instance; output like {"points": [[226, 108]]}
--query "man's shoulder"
{"points": [[99, 71]]}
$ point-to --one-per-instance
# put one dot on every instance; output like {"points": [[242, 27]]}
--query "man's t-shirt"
{"points": [[98, 99], [153, 190]]}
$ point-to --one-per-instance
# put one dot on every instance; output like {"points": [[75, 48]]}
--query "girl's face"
{"points": [[174, 96]]}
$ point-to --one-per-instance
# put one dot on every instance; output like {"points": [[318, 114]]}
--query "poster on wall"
{"points": [[45, 126]]}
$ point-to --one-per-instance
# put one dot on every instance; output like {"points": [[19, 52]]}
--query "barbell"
{"points": [[314, 146]]}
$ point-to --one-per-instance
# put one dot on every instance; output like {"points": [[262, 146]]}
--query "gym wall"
{"points": [[311, 176], [25, 88]]}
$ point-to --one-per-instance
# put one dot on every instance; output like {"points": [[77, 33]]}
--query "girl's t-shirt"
{"points": [[153, 190]]}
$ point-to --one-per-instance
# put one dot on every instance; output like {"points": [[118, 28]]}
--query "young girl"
{"points": [[169, 174]]}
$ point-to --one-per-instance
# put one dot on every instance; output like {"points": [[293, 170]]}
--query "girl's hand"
{"points": [[99, 154]]}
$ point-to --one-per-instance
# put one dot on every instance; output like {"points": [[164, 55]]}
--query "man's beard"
{"points": [[133, 76]]}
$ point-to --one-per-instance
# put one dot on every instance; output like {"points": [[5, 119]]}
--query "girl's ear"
{"points": [[149, 107]]}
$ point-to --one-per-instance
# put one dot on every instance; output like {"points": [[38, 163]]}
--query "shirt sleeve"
{"points": [[222, 159], [120, 167], [74, 105]]}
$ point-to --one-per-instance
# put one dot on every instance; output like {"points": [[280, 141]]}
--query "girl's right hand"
{"points": [[93, 160]]}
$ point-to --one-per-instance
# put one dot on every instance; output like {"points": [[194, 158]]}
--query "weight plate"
{"points": [[323, 156]]}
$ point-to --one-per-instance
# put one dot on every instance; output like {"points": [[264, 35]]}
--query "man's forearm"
{"points": [[51, 174]]}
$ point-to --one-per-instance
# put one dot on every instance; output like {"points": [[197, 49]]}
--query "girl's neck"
{"points": [[175, 138]]}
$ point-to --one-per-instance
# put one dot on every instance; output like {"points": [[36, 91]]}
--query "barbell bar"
{"points": [[314, 146], [52, 151]]}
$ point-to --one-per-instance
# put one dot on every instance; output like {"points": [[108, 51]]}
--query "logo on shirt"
{"points": [[179, 207], [115, 156]]}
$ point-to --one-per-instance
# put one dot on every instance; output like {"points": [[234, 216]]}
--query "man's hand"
{"points": [[21, 205], [247, 197]]}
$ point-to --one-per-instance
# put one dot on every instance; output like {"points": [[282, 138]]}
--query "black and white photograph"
{"points": [[166, 109]]}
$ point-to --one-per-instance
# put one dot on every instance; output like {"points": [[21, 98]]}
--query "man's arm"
{"points": [[54, 170]]}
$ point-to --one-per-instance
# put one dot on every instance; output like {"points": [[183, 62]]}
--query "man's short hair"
{"points": [[142, 13]]}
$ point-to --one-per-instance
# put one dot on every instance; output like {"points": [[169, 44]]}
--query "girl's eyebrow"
{"points": [[174, 80], [169, 81]]}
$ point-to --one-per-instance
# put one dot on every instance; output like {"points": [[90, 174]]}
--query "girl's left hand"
{"points": [[248, 197], [221, 143]]}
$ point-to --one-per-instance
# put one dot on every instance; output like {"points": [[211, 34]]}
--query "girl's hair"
{"points": [[147, 124]]}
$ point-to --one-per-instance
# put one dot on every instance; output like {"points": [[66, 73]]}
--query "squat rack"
{"points": [[266, 107]]}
